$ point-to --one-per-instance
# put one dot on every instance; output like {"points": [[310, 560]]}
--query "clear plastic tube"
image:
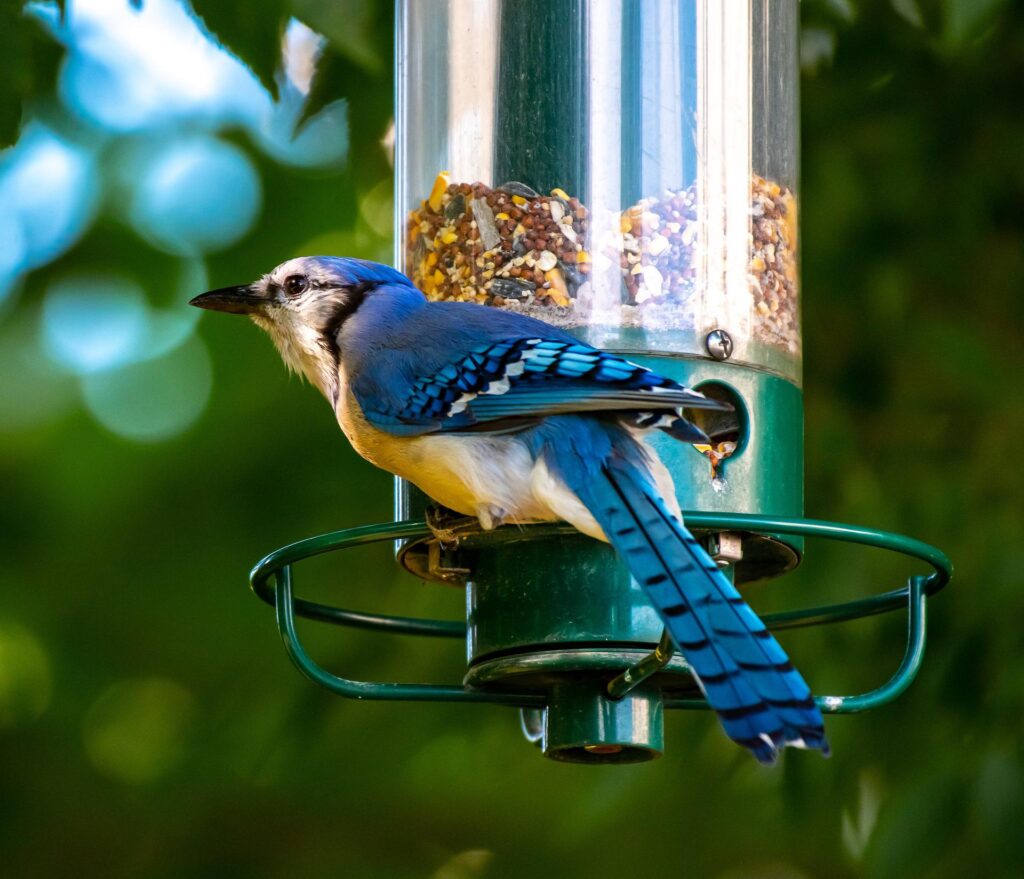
{"points": [[623, 169]]}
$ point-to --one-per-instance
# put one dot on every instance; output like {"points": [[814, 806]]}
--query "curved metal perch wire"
{"points": [[278, 567]]}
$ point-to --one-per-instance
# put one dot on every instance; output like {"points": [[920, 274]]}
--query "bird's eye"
{"points": [[296, 284]]}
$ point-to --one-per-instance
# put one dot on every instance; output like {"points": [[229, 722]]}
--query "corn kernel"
{"points": [[559, 293], [440, 185]]}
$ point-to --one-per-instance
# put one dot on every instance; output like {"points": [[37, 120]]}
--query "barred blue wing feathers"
{"points": [[529, 378]]}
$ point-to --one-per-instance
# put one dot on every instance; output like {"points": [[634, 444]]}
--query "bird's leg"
{"points": [[448, 528]]}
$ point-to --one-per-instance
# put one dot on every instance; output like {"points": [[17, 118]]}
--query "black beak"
{"points": [[234, 300]]}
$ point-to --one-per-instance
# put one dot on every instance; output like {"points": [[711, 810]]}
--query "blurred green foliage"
{"points": [[150, 724]]}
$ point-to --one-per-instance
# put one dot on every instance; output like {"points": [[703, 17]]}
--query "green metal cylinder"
{"points": [[583, 725]]}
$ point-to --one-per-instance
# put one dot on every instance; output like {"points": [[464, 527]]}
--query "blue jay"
{"points": [[506, 418]]}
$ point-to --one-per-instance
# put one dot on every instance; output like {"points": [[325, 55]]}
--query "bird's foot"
{"points": [[449, 527]]}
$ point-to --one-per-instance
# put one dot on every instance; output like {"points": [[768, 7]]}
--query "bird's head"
{"points": [[303, 304]]}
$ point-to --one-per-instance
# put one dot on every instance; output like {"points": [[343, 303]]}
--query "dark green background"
{"points": [[150, 724]]}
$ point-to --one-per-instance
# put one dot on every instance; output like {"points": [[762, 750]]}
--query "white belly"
{"points": [[494, 478], [491, 477]]}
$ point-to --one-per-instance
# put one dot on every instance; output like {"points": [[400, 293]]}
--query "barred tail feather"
{"points": [[762, 701], [671, 423]]}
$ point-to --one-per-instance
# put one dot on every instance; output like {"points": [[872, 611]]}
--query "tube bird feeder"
{"points": [[627, 171]]}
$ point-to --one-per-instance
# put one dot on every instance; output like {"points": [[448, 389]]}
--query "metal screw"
{"points": [[719, 344]]}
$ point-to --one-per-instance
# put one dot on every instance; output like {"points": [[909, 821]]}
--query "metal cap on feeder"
{"points": [[627, 171]]}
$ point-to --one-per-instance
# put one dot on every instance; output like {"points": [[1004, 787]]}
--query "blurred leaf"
{"points": [[465, 865], [357, 34], [965, 21], [30, 59], [135, 731], [999, 794], [817, 46], [910, 11], [351, 27], [841, 10], [351, 65], [252, 32], [857, 829], [912, 832], [26, 679], [844, 9]]}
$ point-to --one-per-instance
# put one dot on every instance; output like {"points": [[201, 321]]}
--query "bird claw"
{"points": [[449, 527]]}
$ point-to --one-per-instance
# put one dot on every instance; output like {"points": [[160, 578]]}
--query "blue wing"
{"points": [[509, 383]]}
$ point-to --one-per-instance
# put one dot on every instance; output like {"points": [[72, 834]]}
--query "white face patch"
{"points": [[295, 322], [300, 348]]}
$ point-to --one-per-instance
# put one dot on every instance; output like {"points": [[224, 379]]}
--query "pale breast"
{"points": [[495, 478], [486, 476]]}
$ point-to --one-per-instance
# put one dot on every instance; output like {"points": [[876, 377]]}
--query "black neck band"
{"points": [[356, 293]]}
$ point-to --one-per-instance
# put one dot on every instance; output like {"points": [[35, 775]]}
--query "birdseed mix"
{"points": [[512, 247], [472, 243]]}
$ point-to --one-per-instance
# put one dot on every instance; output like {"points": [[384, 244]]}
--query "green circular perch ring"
{"points": [[278, 567]]}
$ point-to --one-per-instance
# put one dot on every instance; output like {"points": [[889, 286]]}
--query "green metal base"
{"points": [[564, 686]]}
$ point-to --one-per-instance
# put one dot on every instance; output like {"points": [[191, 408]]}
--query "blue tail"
{"points": [[762, 701]]}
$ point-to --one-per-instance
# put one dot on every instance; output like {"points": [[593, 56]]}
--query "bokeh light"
{"points": [[12, 254], [129, 68], [137, 730], [26, 679], [153, 70], [132, 69], [173, 325], [154, 400], [48, 190], [95, 322], [196, 195]]}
